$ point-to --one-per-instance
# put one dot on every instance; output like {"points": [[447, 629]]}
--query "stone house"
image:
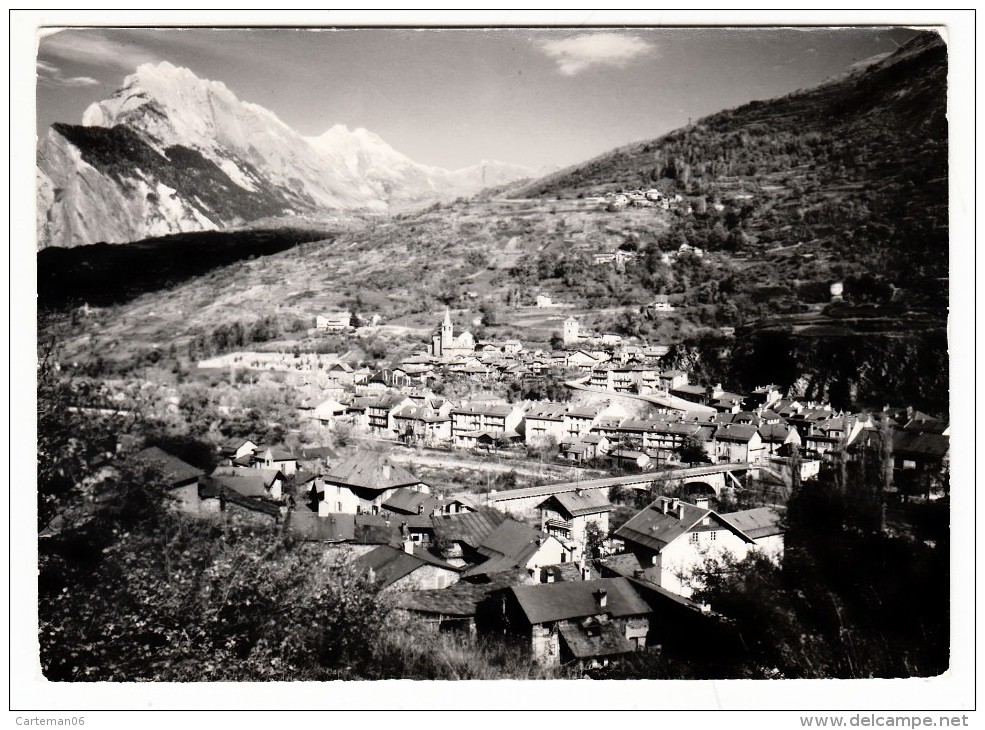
{"points": [[182, 479], [588, 623], [409, 568]]}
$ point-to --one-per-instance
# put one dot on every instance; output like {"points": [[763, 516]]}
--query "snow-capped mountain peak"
{"points": [[211, 152]]}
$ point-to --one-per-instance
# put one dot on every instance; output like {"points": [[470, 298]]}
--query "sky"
{"points": [[452, 97]]}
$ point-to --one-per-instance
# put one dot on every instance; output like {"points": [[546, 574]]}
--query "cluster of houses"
{"points": [[651, 198], [760, 427], [455, 564], [619, 257], [581, 593]]}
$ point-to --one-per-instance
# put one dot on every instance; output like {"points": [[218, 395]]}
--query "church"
{"points": [[445, 344]]}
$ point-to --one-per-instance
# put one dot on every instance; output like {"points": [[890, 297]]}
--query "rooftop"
{"points": [[547, 602], [172, 468], [756, 523], [308, 525], [408, 501], [653, 528], [595, 640], [390, 564], [371, 470], [586, 502], [470, 528]]}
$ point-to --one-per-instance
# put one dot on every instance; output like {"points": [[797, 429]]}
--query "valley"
{"points": [[307, 374]]}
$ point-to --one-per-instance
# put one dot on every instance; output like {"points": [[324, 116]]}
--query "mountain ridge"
{"points": [[249, 148]]}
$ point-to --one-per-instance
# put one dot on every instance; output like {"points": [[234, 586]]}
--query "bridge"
{"points": [[711, 476]]}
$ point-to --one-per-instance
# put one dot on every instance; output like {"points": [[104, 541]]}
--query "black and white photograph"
{"points": [[539, 353]]}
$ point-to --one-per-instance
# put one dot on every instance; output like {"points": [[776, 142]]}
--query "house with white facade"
{"points": [[672, 538]]}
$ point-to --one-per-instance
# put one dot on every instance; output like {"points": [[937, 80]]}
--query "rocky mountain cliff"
{"points": [[169, 152]]}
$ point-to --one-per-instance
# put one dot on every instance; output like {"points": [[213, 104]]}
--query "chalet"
{"points": [[455, 506], [276, 459], [513, 545], [322, 456], [182, 479], [334, 322], [357, 412], [238, 452], [824, 435], [787, 407], [922, 423], [693, 393], [588, 623], [630, 353], [409, 568], [631, 459], [919, 449], [671, 538], [364, 481], [251, 482], [567, 515], [660, 304], [456, 608], [581, 360]]}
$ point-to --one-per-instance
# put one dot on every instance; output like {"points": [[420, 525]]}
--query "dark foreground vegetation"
{"points": [[104, 274]]}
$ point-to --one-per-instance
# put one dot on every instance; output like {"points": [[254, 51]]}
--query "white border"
{"points": [[30, 691]]}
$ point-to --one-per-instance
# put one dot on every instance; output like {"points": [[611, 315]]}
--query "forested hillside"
{"points": [[855, 168]]}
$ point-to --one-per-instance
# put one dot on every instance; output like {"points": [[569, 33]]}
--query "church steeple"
{"points": [[447, 331]]}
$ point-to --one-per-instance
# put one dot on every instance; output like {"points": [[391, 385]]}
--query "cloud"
{"points": [[95, 48], [53, 75], [581, 52]]}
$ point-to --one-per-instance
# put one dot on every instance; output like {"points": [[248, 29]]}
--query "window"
{"points": [[694, 538], [713, 535]]}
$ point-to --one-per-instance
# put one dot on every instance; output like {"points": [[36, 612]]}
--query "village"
{"points": [[635, 479]]}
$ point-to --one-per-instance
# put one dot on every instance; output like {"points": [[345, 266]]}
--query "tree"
{"points": [[594, 539], [691, 451], [73, 441], [490, 314]]}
